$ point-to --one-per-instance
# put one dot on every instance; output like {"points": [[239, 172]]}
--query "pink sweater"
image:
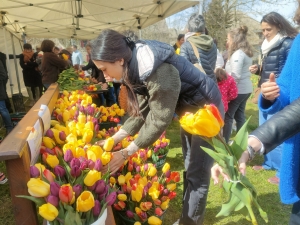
{"points": [[228, 90]]}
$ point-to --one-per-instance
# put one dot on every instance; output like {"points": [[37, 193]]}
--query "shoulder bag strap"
{"points": [[198, 65]]}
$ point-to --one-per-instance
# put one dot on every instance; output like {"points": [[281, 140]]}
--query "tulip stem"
{"points": [[231, 154]]}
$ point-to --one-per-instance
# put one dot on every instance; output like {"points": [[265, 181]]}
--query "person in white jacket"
{"points": [[239, 60]]}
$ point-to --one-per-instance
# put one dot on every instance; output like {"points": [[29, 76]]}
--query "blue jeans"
{"points": [[117, 91], [110, 96], [196, 180], [236, 110], [295, 215], [46, 86], [5, 116], [272, 160]]}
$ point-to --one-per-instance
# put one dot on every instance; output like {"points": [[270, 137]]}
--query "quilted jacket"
{"points": [[207, 51], [275, 60]]}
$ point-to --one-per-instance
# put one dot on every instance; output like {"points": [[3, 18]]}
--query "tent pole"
{"points": [[140, 33], [7, 62], [200, 7], [15, 61]]}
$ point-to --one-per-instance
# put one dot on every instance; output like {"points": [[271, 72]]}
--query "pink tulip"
{"points": [[53, 200], [54, 189], [59, 171], [34, 172], [111, 198], [97, 208]]}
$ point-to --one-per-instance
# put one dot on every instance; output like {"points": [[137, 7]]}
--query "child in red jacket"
{"points": [[227, 87]]}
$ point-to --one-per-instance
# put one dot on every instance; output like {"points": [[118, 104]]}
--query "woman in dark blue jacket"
{"points": [[279, 36], [158, 83]]}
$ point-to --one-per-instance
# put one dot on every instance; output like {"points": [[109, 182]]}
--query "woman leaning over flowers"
{"points": [[159, 82]]}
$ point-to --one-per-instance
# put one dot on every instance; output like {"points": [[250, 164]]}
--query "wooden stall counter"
{"points": [[14, 150]]}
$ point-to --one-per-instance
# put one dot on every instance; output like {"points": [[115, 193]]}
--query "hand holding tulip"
{"points": [[116, 162], [253, 68], [217, 170]]}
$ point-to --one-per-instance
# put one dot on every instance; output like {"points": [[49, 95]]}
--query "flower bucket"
{"points": [[160, 160], [126, 221], [101, 220]]}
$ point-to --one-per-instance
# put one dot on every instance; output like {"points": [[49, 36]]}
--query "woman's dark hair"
{"points": [[27, 46], [297, 14], [180, 36], [277, 20], [196, 23], [47, 45], [111, 46], [239, 41], [64, 51], [220, 74]]}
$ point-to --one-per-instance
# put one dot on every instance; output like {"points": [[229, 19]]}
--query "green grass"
{"points": [[267, 193]]}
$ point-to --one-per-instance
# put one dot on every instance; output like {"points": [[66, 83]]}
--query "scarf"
{"points": [[27, 56], [189, 34], [268, 45]]}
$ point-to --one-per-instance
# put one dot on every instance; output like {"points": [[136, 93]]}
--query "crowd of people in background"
{"points": [[161, 79]]}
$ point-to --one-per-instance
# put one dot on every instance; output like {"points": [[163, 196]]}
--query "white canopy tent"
{"points": [[78, 19], [84, 19], [9, 43]]}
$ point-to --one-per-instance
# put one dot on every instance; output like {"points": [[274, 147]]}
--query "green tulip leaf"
{"points": [[240, 141], [38, 201], [219, 146], [229, 206], [223, 160], [72, 217]]}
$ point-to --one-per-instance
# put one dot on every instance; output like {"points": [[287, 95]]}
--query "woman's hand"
{"points": [[242, 162], [253, 69], [116, 162], [270, 90], [94, 80], [104, 86], [217, 170], [100, 143]]}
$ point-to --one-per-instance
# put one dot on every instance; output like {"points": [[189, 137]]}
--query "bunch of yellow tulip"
{"points": [[67, 185], [143, 194], [207, 123], [72, 104]]}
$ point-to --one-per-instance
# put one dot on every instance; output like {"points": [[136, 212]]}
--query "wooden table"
{"points": [[15, 151]]}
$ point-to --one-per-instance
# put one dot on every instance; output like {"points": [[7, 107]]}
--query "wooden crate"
{"points": [[15, 152]]}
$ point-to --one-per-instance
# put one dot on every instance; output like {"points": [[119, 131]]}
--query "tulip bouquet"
{"points": [[159, 150], [207, 123], [142, 195], [67, 186], [71, 193]]}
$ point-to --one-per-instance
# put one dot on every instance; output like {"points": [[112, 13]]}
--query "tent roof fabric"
{"points": [[84, 19]]}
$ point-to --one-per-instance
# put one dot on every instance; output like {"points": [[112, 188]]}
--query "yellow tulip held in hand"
{"points": [[109, 144]]}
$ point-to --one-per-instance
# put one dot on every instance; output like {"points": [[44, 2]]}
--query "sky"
{"points": [[286, 8]]}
